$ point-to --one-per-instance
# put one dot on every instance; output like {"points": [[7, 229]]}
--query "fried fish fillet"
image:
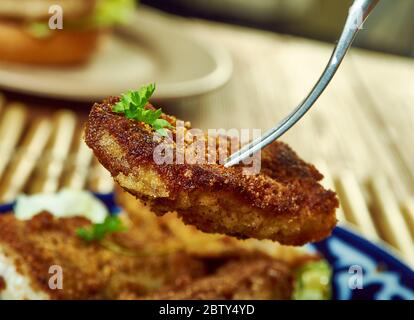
{"points": [[129, 265], [284, 202], [28, 250], [257, 279], [173, 233]]}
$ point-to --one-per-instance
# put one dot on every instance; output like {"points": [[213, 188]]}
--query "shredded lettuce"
{"points": [[39, 29], [112, 12], [313, 281], [107, 13]]}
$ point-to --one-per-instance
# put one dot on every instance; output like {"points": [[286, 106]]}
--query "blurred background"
{"points": [[228, 64], [390, 25]]}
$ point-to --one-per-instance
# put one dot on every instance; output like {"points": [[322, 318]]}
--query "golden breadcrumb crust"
{"points": [[154, 258], [284, 202], [259, 279], [90, 270]]}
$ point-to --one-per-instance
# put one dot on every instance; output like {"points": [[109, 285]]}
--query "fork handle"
{"points": [[358, 12]]}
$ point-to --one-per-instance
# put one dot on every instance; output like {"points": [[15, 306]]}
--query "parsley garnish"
{"points": [[132, 104], [98, 231]]}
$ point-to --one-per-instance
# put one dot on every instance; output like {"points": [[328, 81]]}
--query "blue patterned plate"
{"points": [[364, 270], [361, 269]]}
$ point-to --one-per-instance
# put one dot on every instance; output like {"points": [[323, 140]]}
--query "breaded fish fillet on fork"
{"points": [[284, 202]]}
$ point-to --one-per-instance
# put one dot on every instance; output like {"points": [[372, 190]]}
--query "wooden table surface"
{"points": [[359, 133]]}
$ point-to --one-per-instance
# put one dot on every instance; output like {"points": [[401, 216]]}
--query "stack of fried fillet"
{"points": [[156, 258]]}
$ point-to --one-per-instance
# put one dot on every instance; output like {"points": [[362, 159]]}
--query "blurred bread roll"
{"points": [[27, 35], [63, 47], [39, 9]]}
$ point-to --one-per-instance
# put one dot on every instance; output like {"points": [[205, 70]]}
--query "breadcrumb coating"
{"points": [[283, 203], [155, 258]]}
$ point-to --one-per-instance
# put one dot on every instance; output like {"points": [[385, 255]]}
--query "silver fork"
{"points": [[358, 13]]}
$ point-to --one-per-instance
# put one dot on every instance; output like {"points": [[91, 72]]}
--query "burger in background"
{"points": [[26, 37]]}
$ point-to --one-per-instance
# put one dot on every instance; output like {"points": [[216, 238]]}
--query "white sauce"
{"points": [[64, 204]]}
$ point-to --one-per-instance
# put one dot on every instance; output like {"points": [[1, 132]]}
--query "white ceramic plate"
{"points": [[149, 50]]}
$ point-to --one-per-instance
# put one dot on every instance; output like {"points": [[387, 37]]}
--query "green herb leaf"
{"points": [[98, 231], [162, 132], [133, 103], [160, 123], [112, 12]]}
